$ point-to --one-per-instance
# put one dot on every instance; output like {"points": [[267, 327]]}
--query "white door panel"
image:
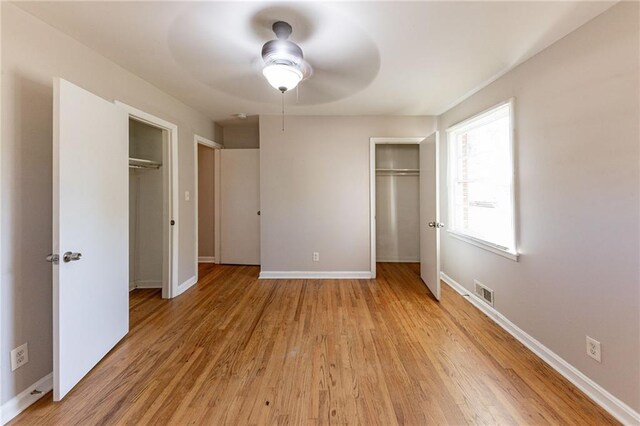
{"points": [[239, 206], [90, 216], [429, 213]]}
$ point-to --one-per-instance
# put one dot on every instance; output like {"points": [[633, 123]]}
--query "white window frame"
{"points": [[502, 251]]}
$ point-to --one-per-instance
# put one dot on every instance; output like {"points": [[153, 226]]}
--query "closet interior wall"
{"points": [[145, 207], [397, 203]]}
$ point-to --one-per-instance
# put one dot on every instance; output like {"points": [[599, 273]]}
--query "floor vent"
{"points": [[483, 292]]}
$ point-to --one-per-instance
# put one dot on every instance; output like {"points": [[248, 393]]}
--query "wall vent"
{"points": [[483, 292]]}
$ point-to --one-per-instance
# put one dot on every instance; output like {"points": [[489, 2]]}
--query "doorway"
{"points": [[207, 199], [146, 206], [397, 203], [153, 210], [404, 205]]}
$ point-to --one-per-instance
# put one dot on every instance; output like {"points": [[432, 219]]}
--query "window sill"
{"points": [[483, 245]]}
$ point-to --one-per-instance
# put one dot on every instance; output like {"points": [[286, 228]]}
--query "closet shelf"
{"points": [[139, 163]]}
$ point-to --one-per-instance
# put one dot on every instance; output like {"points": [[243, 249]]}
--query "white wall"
{"points": [[241, 136], [577, 148], [32, 54], [314, 188], [397, 204]]}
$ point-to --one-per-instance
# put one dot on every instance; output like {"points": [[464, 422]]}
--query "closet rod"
{"points": [[399, 174], [139, 163], [133, 166]]}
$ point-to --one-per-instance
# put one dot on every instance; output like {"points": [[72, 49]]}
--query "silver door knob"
{"points": [[439, 225], [436, 225], [53, 258], [70, 257], [432, 224]]}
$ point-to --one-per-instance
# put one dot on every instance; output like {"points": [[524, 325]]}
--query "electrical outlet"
{"points": [[593, 349], [316, 256], [19, 356], [187, 196]]}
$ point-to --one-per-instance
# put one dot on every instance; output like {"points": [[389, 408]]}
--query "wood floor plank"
{"points": [[241, 351]]}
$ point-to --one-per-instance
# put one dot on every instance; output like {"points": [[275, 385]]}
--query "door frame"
{"points": [[372, 186], [199, 140], [170, 285]]}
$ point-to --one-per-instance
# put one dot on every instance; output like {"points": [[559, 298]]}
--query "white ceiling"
{"points": [[384, 58]]}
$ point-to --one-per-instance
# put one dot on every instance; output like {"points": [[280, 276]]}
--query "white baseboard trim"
{"points": [[398, 260], [145, 284], [318, 275], [206, 259], [186, 285], [24, 399], [618, 409]]}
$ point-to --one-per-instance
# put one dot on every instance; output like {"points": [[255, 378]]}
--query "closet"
{"points": [[146, 205], [397, 202]]}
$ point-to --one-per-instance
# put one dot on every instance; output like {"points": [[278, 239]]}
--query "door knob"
{"points": [[70, 257], [436, 225], [432, 224], [53, 258]]}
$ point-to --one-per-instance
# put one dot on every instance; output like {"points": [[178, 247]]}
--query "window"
{"points": [[481, 202]]}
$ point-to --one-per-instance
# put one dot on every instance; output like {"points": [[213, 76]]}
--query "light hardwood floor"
{"points": [[238, 350]]}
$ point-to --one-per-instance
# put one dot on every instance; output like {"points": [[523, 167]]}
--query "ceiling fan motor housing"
{"points": [[284, 63], [282, 52]]}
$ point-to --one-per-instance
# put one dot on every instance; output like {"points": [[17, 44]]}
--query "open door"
{"points": [[240, 206], [90, 232], [429, 215]]}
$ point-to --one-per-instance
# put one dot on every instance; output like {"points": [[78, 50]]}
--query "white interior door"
{"points": [[90, 225], [240, 206], [429, 215]]}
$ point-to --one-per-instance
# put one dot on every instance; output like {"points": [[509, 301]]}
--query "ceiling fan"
{"points": [[338, 58], [284, 64]]}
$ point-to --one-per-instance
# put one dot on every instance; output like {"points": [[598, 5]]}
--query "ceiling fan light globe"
{"points": [[282, 77]]}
